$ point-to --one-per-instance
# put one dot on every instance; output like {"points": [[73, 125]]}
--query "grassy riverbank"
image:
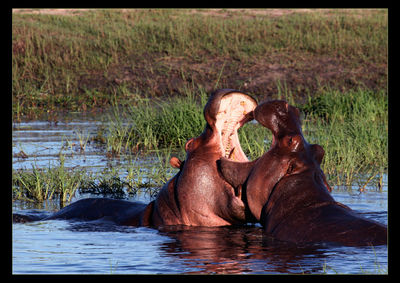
{"points": [[352, 127], [81, 60], [156, 68]]}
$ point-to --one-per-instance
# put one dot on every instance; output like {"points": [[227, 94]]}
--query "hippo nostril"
{"points": [[291, 168], [293, 142]]}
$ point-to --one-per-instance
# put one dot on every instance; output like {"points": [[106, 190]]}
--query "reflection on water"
{"points": [[60, 246], [238, 250]]}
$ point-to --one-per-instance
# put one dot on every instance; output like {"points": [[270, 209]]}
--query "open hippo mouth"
{"points": [[234, 111]]}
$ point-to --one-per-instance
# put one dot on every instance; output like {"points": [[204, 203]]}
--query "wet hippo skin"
{"points": [[287, 192], [197, 195]]}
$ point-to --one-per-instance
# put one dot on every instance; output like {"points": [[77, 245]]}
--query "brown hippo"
{"points": [[287, 192], [197, 194]]}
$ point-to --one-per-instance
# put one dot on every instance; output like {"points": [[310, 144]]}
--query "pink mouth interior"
{"points": [[231, 116]]}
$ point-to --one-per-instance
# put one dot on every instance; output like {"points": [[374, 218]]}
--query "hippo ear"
{"points": [[176, 162], [318, 152], [235, 173], [295, 110], [190, 145]]}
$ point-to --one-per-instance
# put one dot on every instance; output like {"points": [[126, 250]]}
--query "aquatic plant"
{"points": [[47, 183], [61, 183]]}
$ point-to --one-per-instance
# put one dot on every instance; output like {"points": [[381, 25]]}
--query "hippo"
{"points": [[197, 195], [287, 192]]}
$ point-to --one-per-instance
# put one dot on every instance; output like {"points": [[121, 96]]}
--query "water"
{"points": [[76, 247], [40, 143]]}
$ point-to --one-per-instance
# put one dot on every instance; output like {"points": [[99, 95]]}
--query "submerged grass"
{"points": [[61, 183], [43, 184]]}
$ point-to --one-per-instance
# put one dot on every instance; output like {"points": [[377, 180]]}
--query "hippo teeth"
{"points": [[231, 155], [229, 131], [227, 138], [232, 111]]}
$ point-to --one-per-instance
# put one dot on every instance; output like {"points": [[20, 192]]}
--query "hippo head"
{"points": [[203, 195], [289, 155], [278, 116], [225, 112], [284, 122]]}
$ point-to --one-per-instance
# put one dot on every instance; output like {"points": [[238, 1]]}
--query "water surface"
{"points": [[76, 247]]}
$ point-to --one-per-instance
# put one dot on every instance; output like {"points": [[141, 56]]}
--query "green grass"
{"points": [[61, 183], [83, 61], [154, 123], [155, 69], [42, 184], [352, 127]]}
